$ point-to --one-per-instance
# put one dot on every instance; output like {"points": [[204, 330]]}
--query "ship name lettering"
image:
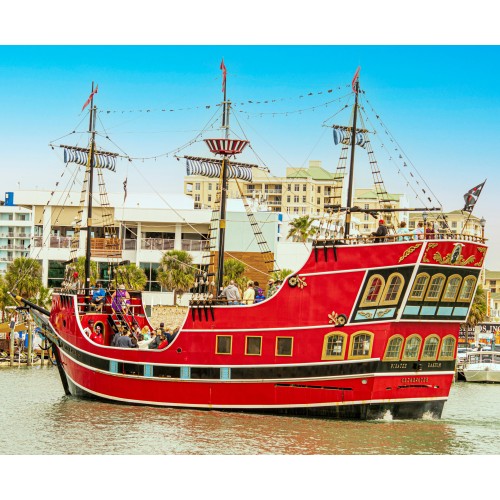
{"points": [[434, 365], [399, 365], [413, 380]]}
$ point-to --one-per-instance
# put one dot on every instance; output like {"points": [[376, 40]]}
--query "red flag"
{"points": [[223, 68], [90, 98], [355, 80]]}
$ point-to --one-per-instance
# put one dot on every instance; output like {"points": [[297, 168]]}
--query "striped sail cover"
{"points": [[344, 136], [81, 158], [211, 168], [226, 146]]}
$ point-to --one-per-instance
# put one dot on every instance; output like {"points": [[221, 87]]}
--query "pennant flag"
{"points": [[471, 197], [87, 102], [355, 80], [223, 68], [125, 189]]}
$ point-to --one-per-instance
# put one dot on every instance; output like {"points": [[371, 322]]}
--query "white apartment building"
{"points": [[15, 231]]}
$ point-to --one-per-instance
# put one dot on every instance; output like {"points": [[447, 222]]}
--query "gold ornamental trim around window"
{"points": [[429, 246], [409, 251]]}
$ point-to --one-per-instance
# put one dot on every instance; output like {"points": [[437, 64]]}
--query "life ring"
{"points": [[293, 281], [341, 319]]}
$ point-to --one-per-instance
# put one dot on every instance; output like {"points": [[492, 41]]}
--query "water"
{"points": [[37, 418]]}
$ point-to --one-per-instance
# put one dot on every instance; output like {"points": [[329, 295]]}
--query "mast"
{"points": [[89, 202], [351, 167], [222, 218]]}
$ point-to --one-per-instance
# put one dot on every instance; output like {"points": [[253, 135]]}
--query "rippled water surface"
{"points": [[42, 420]]}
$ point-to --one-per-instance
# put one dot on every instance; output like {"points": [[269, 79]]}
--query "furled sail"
{"points": [[80, 157], [344, 136], [211, 168]]}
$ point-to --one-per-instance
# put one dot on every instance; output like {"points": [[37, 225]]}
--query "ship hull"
{"points": [[321, 347]]}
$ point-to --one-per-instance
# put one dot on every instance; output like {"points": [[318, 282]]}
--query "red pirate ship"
{"points": [[362, 328]]}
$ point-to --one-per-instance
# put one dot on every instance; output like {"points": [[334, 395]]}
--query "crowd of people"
{"points": [[253, 293], [133, 338], [389, 233]]}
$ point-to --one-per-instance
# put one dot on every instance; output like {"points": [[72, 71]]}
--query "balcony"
{"points": [[106, 247], [195, 245], [58, 241], [157, 244]]}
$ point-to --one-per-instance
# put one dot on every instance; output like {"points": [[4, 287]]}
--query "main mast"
{"points": [[91, 162], [355, 87]]}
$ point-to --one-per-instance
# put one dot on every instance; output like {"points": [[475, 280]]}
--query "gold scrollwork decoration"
{"points": [[483, 251], [409, 251], [382, 313], [365, 314], [429, 246], [447, 260]]}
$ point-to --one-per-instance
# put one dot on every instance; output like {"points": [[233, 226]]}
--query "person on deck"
{"points": [[124, 341], [429, 231], [164, 341], [171, 336], [96, 335], [98, 297], [120, 300], [403, 232], [88, 330], [380, 233], [231, 293], [249, 295], [155, 342], [419, 231], [259, 293], [272, 288]]}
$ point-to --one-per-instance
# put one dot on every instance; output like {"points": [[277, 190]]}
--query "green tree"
{"points": [[24, 277], [477, 313], [44, 297], [176, 272], [300, 228], [133, 277], [79, 267], [281, 274], [233, 270], [5, 299]]}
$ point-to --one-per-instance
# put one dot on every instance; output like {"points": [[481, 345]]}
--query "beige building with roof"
{"points": [[303, 191]]}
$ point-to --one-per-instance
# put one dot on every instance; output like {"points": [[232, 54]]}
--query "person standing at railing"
{"points": [[419, 231], [381, 232], [404, 232]]}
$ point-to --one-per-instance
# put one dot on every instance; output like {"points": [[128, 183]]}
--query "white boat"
{"points": [[482, 366]]}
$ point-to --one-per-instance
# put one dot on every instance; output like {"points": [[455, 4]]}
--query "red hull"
{"points": [[363, 379]]}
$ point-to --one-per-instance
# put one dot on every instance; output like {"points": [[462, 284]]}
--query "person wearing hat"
{"points": [[88, 330], [120, 300], [380, 233], [271, 288]]}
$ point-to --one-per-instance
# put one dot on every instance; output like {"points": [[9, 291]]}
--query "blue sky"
{"points": [[440, 103]]}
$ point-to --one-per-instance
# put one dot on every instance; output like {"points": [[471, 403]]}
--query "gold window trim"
{"points": [[394, 301], [406, 358], [364, 302], [276, 352], [351, 346], [433, 277], [459, 287], [447, 337], [246, 345], [427, 339], [393, 358], [217, 344], [325, 344], [465, 280], [424, 290]]}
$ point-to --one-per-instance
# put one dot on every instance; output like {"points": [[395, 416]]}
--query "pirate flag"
{"points": [[471, 197]]}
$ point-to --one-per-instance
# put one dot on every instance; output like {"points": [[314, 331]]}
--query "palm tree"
{"points": [[300, 228], [133, 277], [24, 277], [281, 274], [44, 297], [233, 270], [176, 272], [479, 308], [79, 267], [4, 297]]}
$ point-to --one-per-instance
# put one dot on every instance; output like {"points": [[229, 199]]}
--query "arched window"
{"points": [[361, 345], [393, 349], [447, 348], [334, 345], [373, 291], [467, 289], [412, 348], [419, 286], [452, 286], [431, 345], [435, 287], [392, 290]]}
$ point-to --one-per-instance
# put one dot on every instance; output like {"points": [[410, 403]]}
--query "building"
{"points": [[303, 191], [15, 231], [458, 222], [492, 288]]}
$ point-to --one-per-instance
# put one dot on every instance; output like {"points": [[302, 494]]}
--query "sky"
{"points": [[439, 102]]}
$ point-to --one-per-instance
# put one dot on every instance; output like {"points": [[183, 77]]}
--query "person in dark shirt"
{"points": [[124, 341], [380, 233], [155, 342]]}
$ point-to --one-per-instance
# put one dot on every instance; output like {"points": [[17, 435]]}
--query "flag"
{"points": [[471, 197], [87, 102], [355, 80], [223, 68], [124, 189]]}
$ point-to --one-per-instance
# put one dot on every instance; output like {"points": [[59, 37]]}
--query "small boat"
{"points": [[482, 366], [364, 327]]}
